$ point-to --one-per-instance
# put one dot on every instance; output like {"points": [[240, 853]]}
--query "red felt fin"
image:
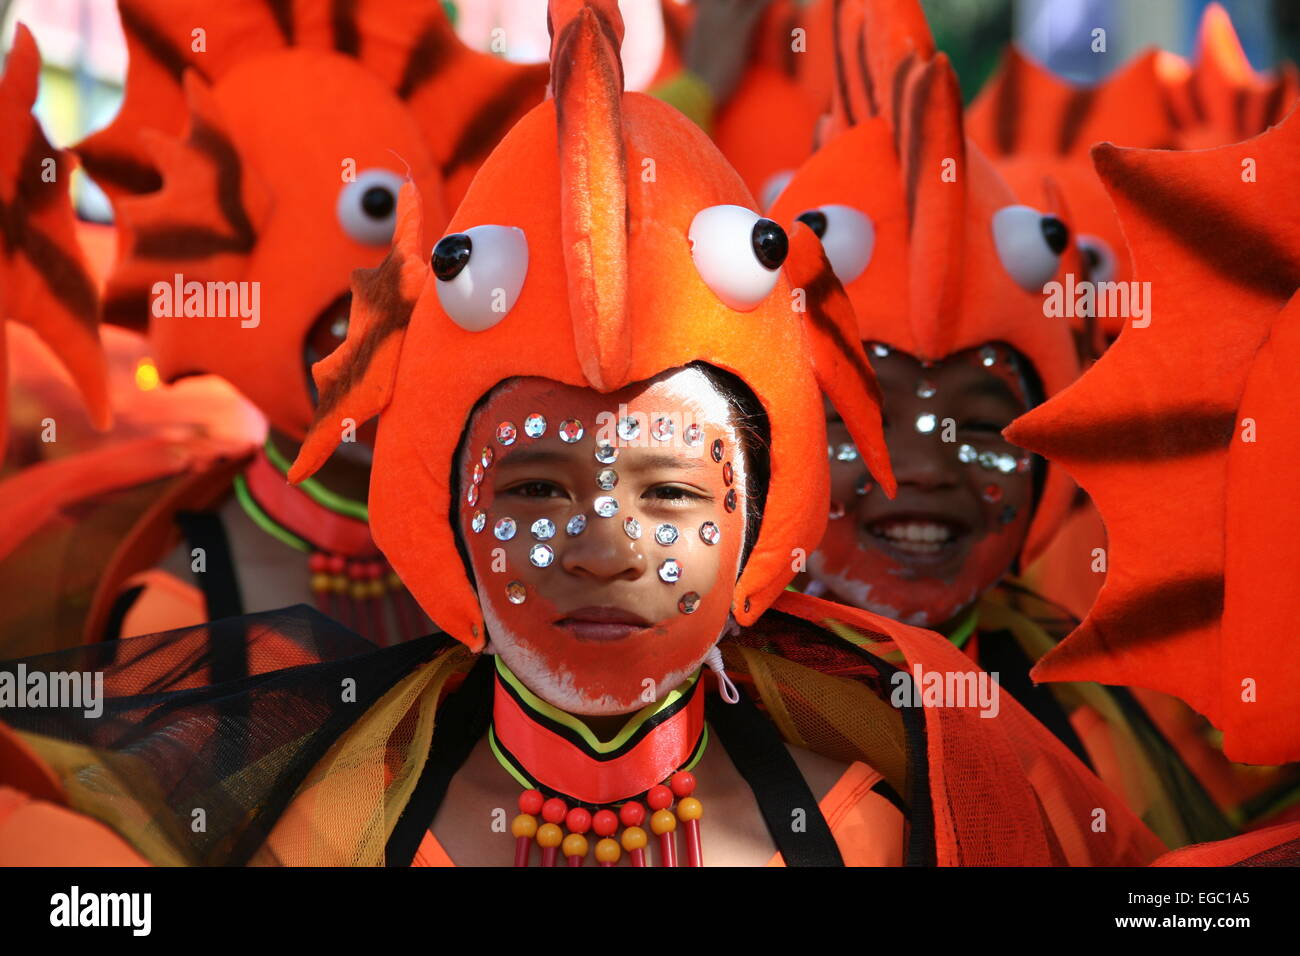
{"points": [[44, 280], [356, 379], [1185, 435], [840, 365]]}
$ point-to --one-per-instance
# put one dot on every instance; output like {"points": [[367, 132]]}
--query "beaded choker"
{"points": [[575, 779]]}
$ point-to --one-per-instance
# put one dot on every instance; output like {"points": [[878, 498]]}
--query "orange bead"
{"points": [[688, 808], [524, 825], [375, 589], [392, 580], [607, 851], [321, 583], [663, 821], [339, 583], [634, 838], [575, 844], [549, 835], [359, 589]]}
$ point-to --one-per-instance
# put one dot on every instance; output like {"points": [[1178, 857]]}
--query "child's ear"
{"points": [[356, 379], [840, 365]]}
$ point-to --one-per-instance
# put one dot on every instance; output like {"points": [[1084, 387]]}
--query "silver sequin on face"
{"points": [[925, 389], [606, 452], [966, 454], [504, 529], [629, 428], [1006, 463], [486, 456], [516, 593], [988, 460], [694, 435], [506, 433], [846, 452], [729, 502], [837, 510], [670, 571], [606, 479], [988, 356], [688, 602], [666, 534], [571, 431], [541, 555], [577, 524], [716, 450], [632, 527], [709, 533], [476, 476], [662, 429], [535, 425], [472, 495], [543, 529], [878, 350], [863, 486], [925, 423], [479, 522], [606, 506]]}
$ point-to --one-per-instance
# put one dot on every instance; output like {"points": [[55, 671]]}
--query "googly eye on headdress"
{"points": [[367, 206], [1029, 244], [738, 254], [848, 238], [1099, 257], [480, 272]]}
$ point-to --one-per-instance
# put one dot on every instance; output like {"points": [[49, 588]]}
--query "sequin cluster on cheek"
{"points": [[659, 541]]}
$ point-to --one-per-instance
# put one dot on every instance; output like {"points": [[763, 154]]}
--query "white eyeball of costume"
{"points": [[1030, 244], [480, 272], [1099, 256], [738, 254], [367, 206], [848, 238]]}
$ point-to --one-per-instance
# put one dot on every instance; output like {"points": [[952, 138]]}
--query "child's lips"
{"points": [[602, 624], [920, 540]]}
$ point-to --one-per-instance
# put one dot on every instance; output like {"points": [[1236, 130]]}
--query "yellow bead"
{"points": [[663, 821], [392, 580], [688, 808], [575, 844], [320, 582], [634, 838], [607, 851], [340, 583], [375, 588], [359, 589], [549, 835], [524, 825]]}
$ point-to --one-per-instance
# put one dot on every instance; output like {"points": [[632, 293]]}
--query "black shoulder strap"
{"points": [[759, 754], [462, 720], [220, 586]]}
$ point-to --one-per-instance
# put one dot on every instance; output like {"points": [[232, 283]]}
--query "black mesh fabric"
{"points": [[227, 718]]}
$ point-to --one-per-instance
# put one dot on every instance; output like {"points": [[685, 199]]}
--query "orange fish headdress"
{"points": [[1185, 435], [256, 161], [934, 251], [44, 280], [615, 243]]}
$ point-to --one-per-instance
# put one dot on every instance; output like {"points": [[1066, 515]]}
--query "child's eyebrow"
{"points": [[535, 455], [657, 462]]}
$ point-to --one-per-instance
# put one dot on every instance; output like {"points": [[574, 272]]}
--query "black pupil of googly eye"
{"points": [[377, 202], [450, 255], [770, 244], [815, 220], [1092, 257], [1055, 233]]}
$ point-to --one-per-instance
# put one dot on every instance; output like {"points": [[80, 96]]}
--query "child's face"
{"points": [[605, 555], [964, 499]]}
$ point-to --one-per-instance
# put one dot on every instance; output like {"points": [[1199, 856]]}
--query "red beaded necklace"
{"points": [[578, 783]]}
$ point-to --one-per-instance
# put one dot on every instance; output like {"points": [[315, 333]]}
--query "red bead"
{"points": [[318, 563], [604, 822], [530, 801], [578, 820], [683, 783], [337, 564], [659, 797], [631, 813], [554, 810], [374, 570], [357, 570]]}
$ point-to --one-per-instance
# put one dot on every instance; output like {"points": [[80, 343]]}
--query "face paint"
{"points": [[965, 494], [635, 589]]}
